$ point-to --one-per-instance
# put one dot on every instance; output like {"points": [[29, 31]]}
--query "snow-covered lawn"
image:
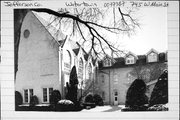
{"points": [[106, 108]]}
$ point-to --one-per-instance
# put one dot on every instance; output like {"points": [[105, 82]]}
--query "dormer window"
{"points": [[107, 62], [152, 57], [130, 60]]}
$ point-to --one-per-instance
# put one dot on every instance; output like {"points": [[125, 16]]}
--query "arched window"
{"points": [[89, 71], [67, 61], [80, 69], [67, 66]]}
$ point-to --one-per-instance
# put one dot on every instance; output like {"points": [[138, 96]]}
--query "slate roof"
{"points": [[142, 60]]}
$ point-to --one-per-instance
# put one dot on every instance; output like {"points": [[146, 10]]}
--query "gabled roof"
{"points": [[86, 57], [62, 42], [76, 51], [94, 61], [50, 28], [60, 37], [76, 47], [152, 50], [120, 61], [73, 44], [130, 53]]}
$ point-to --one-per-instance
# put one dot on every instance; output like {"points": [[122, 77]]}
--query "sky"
{"points": [[151, 34]]}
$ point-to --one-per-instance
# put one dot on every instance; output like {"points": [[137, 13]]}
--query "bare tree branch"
{"points": [[88, 18]]}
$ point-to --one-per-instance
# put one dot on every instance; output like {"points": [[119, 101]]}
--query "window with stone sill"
{"points": [[28, 93], [46, 94]]}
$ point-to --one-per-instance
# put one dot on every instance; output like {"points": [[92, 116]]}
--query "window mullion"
{"points": [[47, 94], [28, 96]]}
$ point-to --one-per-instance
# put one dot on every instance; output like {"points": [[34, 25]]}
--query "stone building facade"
{"points": [[116, 74]]}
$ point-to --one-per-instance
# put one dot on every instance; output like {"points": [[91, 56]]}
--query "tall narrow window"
{"points": [[89, 71], [67, 61], [67, 66], [26, 96], [28, 93], [80, 69], [50, 92], [31, 92], [46, 94]]}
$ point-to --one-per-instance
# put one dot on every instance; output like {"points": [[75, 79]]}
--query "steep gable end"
{"points": [[152, 56], [35, 39], [130, 58]]}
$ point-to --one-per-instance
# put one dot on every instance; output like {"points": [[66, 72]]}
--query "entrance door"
{"points": [[115, 98]]}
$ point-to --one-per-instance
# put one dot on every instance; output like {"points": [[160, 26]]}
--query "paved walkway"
{"points": [[106, 108]]}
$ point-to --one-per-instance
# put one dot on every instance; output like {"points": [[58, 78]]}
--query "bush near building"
{"points": [[18, 99], [55, 97], [135, 97], [160, 92], [98, 100], [158, 107], [65, 105], [72, 86], [89, 98], [34, 100]]}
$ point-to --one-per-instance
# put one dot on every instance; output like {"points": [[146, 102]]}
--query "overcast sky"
{"points": [[152, 32]]}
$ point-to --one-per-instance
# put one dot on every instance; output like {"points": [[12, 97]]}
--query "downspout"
{"points": [[109, 89], [60, 71], [93, 76]]}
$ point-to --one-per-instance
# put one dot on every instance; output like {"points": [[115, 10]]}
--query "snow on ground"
{"points": [[106, 108]]}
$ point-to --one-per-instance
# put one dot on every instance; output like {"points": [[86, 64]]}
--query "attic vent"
{"points": [[26, 33]]}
